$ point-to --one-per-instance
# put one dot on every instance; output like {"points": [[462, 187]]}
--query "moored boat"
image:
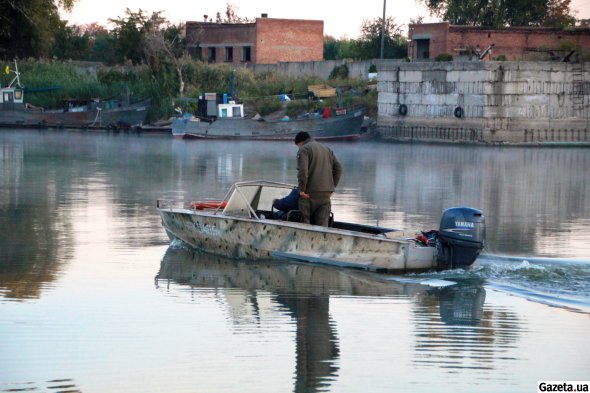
{"points": [[95, 113], [230, 123], [242, 225]]}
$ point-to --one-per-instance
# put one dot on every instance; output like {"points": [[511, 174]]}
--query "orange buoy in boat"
{"points": [[201, 205]]}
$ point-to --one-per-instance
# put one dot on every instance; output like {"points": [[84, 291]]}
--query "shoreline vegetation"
{"points": [[142, 55], [48, 82]]}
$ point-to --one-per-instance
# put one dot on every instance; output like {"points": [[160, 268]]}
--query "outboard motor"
{"points": [[461, 237]]}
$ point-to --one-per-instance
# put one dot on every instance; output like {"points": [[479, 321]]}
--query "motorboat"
{"points": [[244, 225]]}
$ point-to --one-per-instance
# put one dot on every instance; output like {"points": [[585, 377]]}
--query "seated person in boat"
{"points": [[286, 204]]}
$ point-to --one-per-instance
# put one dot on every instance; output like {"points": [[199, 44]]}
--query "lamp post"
{"points": [[383, 29]]}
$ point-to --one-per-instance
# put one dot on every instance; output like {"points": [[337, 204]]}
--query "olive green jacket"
{"points": [[318, 170]]}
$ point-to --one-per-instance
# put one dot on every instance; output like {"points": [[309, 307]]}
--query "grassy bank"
{"points": [[49, 82]]}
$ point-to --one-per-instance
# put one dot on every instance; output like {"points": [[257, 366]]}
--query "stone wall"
{"points": [[484, 102], [322, 69]]}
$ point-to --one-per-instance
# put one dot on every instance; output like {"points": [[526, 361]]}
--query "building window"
{"points": [[229, 54], [196, 52], [212, 55], [246, 54]]}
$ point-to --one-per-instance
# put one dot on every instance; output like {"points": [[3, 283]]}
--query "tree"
{"points": [[100, 43], [418, 21], [231, 15], [70, 43], [500, 13], [559, 14], [369, 44], [128, 35], [91, 42], [338, 48], [164, 44], [194, 37], [28, 27]]}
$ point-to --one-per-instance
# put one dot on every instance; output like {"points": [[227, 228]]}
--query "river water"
{"points": [[93, 298]]}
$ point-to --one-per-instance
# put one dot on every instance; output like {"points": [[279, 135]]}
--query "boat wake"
{"points": [[557, 282]]}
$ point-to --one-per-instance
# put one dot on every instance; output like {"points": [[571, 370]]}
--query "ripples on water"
{"points": [[56, 385], [556, 282]]}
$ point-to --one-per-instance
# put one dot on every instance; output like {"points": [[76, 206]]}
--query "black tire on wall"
{"points": [[403, 110]]}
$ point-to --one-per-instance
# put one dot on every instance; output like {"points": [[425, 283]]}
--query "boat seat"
{"points": [[294, 216], [265, 214], [297, 216]]}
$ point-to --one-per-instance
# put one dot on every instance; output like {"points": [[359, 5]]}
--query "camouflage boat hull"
{"points": [[267, 239]]}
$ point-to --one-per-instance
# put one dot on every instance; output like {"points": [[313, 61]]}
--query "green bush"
{"points": [[444, 57], [501, 58], [295, 108], [265, 106], [339, 72]]}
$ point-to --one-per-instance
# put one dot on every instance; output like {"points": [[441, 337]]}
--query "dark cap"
{"points": [[301, 137]]}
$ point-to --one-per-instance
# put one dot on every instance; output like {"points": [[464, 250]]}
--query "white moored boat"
{"points": [[241, 225]]}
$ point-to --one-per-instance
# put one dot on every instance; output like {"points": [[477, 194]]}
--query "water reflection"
{"points": [[34, 239], [302, 291], [462, 304], [453, 329]]}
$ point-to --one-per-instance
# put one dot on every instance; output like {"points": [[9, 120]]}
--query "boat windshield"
{"points": [[246, 198]]}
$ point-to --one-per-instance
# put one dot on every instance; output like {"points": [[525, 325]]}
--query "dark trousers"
{"points": [[316, 210]]}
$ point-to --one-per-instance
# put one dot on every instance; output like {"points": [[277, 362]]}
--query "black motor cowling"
{"points": [[461, 237]]}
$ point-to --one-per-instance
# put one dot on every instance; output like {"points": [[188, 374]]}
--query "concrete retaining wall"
{"points": [[322, 69], [484, 102]]}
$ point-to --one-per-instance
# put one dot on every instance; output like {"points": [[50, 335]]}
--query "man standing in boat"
{"points": [[318, 174]]}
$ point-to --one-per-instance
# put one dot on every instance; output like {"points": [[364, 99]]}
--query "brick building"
{"points": [[428, 40], [265, 41]]}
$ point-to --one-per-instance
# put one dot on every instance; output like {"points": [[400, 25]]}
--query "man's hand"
{"points": [[303, 195]]}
